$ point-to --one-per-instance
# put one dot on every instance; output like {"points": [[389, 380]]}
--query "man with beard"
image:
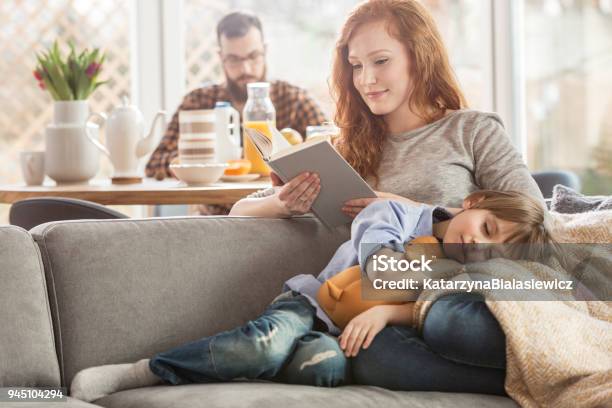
{"points": [[242, 51]]}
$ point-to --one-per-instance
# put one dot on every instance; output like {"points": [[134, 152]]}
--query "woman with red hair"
{"points": [[405, 127]]}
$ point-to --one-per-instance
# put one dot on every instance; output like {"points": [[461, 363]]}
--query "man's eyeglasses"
{"points": [[235, 61]]}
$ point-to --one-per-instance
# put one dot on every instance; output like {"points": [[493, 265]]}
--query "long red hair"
{"points": [[435, 87]]}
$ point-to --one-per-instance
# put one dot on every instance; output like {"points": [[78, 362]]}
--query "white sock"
{"points": [[96, 382]]}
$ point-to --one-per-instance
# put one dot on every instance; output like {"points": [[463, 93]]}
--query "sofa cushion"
{"points": [[126, 289], [271, 395], [27, 350]]}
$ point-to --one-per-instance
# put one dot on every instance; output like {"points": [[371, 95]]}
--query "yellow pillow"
{"points": [[340, 296]]}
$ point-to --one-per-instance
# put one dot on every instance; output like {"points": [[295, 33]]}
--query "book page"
{"points": [[296, 148], [279, 143], [261, 142]]}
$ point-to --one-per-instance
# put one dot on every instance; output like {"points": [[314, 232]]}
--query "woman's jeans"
{"points": [[280, 345], [462, 350]]}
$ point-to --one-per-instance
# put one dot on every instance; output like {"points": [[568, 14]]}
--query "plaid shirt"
{"points": [[294, 108]]}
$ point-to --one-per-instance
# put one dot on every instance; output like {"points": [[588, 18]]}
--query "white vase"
{"points": [[70, 112], [70, 157]]}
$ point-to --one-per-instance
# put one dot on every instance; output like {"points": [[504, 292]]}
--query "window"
{"points": [[29, 26], [465, 26], [568, 54]]}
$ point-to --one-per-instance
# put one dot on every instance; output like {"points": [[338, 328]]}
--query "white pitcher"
{"points": [[126, 142], [227, 129], [69, 156]]}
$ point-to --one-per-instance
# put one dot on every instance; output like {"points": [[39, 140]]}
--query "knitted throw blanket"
{"points": [[558, 352]]}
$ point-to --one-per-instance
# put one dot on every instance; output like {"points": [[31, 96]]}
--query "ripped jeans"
{"points": [[280, 345]]}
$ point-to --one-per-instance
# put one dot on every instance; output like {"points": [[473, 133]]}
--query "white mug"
{"points": [[33, 167]]}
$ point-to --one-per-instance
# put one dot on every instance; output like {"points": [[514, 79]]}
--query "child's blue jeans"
{"points": [[279, 345], [462, 350]]}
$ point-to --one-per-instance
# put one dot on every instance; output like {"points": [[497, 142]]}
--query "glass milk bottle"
{"points": [[259, 113]]}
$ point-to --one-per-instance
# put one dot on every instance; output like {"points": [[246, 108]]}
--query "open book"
{"points": [[339, 181]]}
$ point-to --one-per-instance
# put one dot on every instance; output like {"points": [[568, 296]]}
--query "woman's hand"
{"points": [[362, 329], [354, 207], [297, 195], [276, 181]]}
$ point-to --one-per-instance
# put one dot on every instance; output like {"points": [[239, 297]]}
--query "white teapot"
{"points": [[125, 139]]}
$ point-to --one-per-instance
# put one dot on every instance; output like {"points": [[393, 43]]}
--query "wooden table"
{"points": [[149, 192]]}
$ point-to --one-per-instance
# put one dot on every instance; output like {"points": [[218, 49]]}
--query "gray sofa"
{"points": [[77, 294]]}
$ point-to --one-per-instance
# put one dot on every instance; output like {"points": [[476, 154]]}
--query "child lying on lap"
{"points": [[487, 217]]}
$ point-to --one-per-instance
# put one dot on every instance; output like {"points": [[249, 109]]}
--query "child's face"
{"points": [[475, 226]]}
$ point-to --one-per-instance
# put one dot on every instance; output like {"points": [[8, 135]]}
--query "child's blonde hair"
{"points": [[527, 212]]}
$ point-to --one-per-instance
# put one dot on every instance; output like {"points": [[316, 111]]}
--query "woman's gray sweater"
{"points": [[441, 163]]}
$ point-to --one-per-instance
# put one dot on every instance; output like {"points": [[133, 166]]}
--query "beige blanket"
{"points": [[558, 353]]}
